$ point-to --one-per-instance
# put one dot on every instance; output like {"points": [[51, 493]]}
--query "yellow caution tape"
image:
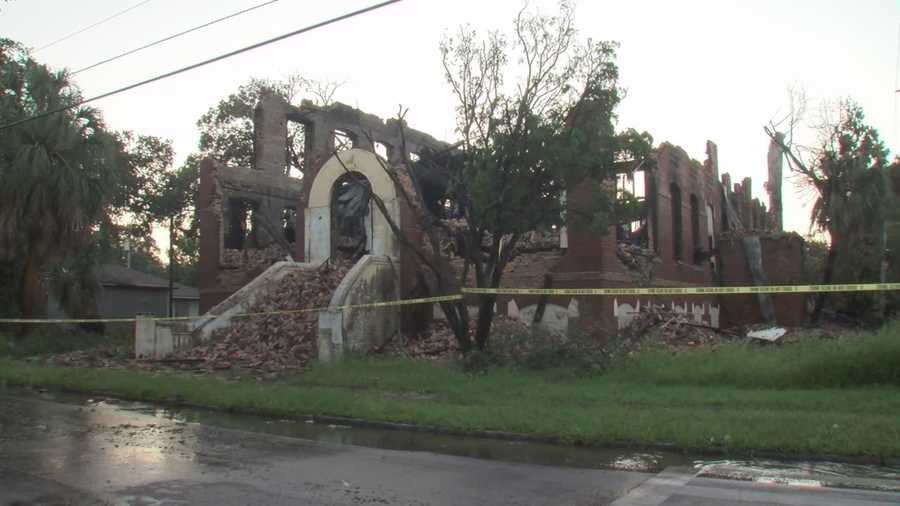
{"points": [[703, 290], [369, 305], [69, 320]]}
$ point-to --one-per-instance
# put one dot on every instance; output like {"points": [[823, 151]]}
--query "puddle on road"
{"points": [[811, 474], [462, 446]]}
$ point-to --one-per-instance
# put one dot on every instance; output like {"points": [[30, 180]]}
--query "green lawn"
{"points": [[840, 399], [47, 342]]}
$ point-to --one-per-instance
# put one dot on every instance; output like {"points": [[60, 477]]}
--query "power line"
{"points": [[170, 37], [104, 20], [205, 62]]}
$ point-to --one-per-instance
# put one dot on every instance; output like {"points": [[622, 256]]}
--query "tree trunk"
{"points": [[457, 314], [485, 319], [882, 271], [828, 275], [31, 295], [542, 302], [487, 302]]}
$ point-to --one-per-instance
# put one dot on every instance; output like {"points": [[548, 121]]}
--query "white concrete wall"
{"points": [[158, 339], [372, 279]]}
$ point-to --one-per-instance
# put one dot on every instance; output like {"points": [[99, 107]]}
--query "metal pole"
{"points": [[172, 265], [882, 278]]}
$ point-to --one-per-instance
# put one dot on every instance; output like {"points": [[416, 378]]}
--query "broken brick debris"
{"points": [[274, 342], [675, 330]]}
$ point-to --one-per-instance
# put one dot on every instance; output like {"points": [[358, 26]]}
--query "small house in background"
{"points": [[126, 292], [187, 300]]}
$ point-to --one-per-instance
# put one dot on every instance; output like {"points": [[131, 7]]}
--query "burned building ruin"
{"points": [[692, 226]]}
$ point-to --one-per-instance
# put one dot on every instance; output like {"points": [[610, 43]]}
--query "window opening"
{"points": [[677, 245], [381, 150], [695, 230], [288, 224], [342, 140], [351, 220]]}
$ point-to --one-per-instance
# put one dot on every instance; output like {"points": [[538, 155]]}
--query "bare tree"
{"points": [[521, 146]]}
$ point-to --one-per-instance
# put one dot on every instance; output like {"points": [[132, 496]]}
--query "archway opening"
{"points": [[351, 223]]}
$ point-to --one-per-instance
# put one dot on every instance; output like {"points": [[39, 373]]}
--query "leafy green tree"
{"points": [[123, 234], [58, 174], [226, 135], [140, 203], [74, 194], [524, 144], [848, 173], [179, 201], [226, 130]]}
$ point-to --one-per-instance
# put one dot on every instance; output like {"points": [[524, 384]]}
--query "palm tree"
{"points": [[848, 175], [57, 173]]}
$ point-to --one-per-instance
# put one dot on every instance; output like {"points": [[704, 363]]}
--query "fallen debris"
{"points": [[437, 342], [253, 259], [639, 260], [674, 329], [273, 342], [256, 345], [771, 334]]}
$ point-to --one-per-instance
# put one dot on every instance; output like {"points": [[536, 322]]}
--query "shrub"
{"points": [[539, 349]]}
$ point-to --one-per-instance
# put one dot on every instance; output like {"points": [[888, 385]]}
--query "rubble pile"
{"points": [[253, 344], [539, 240], [110, 356], [676, 330], [452, 232], [273, 342], [437, 342], [641, 261], [253, 259]]}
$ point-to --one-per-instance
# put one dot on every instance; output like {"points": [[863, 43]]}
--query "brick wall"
{"points": [[782, 258], [266, 185], [590, 260]]}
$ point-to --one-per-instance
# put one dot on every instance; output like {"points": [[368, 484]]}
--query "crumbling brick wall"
{"points": [[266, 190], [688, 199], [782, 258], [687, 204], [227, 194], [322, 126]]}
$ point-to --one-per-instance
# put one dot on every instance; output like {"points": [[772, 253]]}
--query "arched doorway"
{"points": [[351, 217], [340, 207]]}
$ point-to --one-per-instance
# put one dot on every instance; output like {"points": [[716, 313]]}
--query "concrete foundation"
{"points": [[156, 340]]}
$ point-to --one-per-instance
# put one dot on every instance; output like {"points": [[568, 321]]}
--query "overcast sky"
{"points": [[694, 70]]}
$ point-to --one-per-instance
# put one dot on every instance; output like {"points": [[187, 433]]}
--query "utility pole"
{"points": [[882, 278], [172, 265]]}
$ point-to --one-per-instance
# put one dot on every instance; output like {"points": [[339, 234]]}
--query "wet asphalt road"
{"points": [[86, 453], [55, 453]]}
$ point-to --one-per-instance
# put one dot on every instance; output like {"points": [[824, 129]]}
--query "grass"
{"points": [[873, 359], [837, 399], [48, 343]]}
